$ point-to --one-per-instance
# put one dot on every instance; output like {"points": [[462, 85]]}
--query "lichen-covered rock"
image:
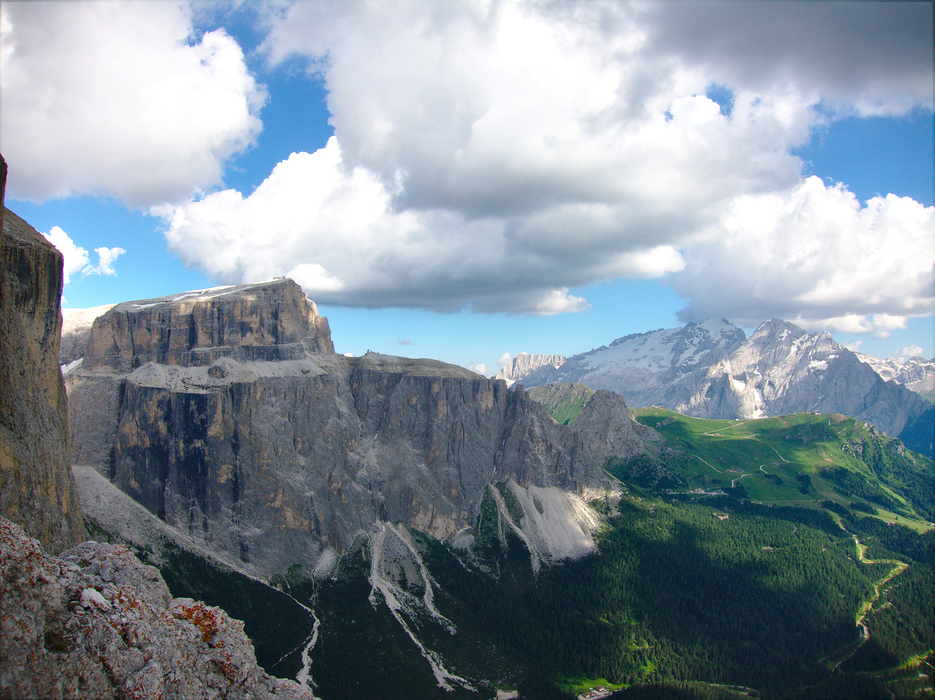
{"points": [[96, 623], [36, 486]]}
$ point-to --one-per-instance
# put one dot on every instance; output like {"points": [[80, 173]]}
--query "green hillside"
{"points": [[563, 401], [819, 461]]}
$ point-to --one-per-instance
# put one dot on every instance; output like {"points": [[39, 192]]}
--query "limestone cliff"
{"points": [[283, 452], [36, 486], [266, 321]]}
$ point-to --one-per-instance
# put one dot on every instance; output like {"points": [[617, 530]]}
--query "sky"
{"points": [[470, 180]]}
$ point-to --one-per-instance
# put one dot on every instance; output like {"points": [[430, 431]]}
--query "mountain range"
{"points": [[713, 370], [396, 528]]}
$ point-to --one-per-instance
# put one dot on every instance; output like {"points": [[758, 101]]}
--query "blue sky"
{"points": [[468, 181]]}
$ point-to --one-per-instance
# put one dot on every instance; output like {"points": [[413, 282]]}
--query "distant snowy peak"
{"points": [[662, 350], [782, 346], [915, 373], [524, 364], [900, 371], [712, 370]]}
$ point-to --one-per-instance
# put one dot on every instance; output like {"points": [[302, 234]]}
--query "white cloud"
{"points": [[865, 58], [814, 255], [909, 351], [120, 99], [496, 156], [335, 231], [480, 368], [106, 258], [76, 258], [504, 359], [505, 109]]}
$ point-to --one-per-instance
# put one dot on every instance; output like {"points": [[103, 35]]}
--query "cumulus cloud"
{"points": [[335, 231], [814, 255], [498, 156], [909, 351], [106, 258], [506, 109], [865, 58], [77, 260], [76, 257], [120, 99]]}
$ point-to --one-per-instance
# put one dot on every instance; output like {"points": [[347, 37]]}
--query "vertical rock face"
{"points": [[265, 321], [36, 485], [273, 450]]}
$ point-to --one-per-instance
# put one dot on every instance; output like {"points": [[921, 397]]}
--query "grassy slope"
{"points": [[563, 401], [801, 460]]}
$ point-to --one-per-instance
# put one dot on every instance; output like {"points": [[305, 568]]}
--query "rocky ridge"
{"points": [[524, 364], [96, 623], [266, 321], [273, 451], [915, 373]]}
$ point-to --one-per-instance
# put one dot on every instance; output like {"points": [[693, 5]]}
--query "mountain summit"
{"points": [[712, 370]]}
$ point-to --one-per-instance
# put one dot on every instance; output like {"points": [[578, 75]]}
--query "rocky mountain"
{"points": [[564, 402], [76, 331], [36, 486], [226, 413], [712, 370], [524, 364], [914, 373]]}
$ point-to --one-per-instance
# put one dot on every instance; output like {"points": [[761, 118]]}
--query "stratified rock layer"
{"points": [[266, 321], [36, 486], [96, 623]]}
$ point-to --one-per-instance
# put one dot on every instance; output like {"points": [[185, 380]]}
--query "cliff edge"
{"points": [[227, 414], [36, 486]]}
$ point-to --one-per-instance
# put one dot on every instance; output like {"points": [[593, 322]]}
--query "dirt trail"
{"points": [[867, 607]]}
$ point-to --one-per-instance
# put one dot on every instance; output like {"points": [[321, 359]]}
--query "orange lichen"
{"points": [[202, 617]]}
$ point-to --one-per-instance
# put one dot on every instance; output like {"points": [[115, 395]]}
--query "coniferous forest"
{"points": [[687, 596], [717, 600]]}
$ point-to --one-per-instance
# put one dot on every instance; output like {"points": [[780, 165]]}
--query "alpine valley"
{"points": [[397, 528]]}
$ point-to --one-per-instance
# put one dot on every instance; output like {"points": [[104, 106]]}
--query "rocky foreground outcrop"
{"points": [[36, 486], [227, 414], [96, 623]]}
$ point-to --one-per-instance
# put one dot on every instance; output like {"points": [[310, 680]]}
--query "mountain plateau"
{"points": [[227, 413]]}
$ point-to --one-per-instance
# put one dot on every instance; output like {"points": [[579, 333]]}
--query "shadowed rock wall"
{"points": [[36, 485]]}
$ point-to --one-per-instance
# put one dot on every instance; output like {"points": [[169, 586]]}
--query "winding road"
{"points": [[867, 607]]}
